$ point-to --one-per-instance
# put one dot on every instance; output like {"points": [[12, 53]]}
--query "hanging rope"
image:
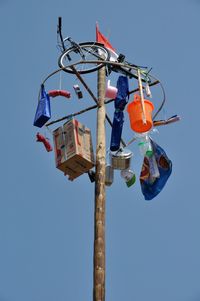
{"points": [[60, 81]]}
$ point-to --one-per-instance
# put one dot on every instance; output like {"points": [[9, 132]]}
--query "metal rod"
{"points": [[77, 113], [93, 107], [99, 214]]}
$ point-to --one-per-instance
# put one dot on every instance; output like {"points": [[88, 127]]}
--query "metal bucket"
{"points": [[121, 159]]}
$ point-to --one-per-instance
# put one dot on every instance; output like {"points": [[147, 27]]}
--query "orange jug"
{"points": [[135, 112]]}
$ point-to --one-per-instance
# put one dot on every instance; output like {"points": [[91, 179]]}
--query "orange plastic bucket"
{"points": [[136, 115]]}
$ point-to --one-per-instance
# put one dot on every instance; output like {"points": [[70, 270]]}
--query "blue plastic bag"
{"points": [[118, 119], [43, 112], [150, 186]]}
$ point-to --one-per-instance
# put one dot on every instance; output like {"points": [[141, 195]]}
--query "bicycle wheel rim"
{"points": [[91, 51]]}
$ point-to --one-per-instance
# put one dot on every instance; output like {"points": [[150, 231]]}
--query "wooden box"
{"points": [[73, 148]]}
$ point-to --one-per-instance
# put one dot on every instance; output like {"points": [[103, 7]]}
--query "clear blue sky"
{"points": [[46, 222]]}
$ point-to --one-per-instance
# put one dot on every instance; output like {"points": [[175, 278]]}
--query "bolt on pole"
{"points": [[99, 214]]}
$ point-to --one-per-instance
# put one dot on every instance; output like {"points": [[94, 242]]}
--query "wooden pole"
{"points": [[99, 215]]}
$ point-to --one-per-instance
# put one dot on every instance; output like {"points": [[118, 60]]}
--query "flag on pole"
{"points": [[100, 38]]}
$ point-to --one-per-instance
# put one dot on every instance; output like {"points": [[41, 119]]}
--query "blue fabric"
{"points": [[43, 111], [151, 188], [122, 93], [117, 127], [118, 119]]}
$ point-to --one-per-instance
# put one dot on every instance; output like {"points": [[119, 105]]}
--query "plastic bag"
{"points": [[43, 112], [152, 185]]}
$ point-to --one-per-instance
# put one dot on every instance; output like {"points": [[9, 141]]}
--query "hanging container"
{"points": [[136, 115], [111, 92], [121, 159], [144, 144], [128, 176], [109, 175]]}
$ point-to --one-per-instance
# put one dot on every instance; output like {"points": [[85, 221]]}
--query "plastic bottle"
{"points": [[148, 91], [109, 175], [145, 145], [153, 168], [128, 176]]}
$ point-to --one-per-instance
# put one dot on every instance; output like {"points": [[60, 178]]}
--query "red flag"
{"points": [[101, 39]]}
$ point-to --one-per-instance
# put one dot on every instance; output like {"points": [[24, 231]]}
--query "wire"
{"points": [[164, 99]]}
